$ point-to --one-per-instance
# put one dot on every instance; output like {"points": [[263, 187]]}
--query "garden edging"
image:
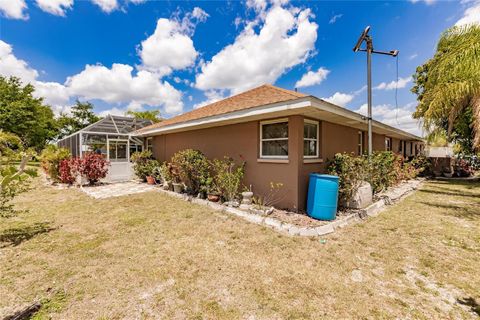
{"points": [[391, 196]]}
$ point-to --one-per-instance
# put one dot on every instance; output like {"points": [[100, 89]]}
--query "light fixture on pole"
{"points": [[369, 50]]}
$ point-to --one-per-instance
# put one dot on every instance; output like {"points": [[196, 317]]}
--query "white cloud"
{"points": [[340, 99], [12, 66], [401, 83], [54, 93], [106, 5], [118, 85], [13, 9], [471, 15], [170, 47], [413, 56], [278, 39], [400, 118], [212, 96], [335, 18], [312, 78], [55, 7]]}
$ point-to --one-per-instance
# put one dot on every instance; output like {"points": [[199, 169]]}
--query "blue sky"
{"points": [[179, 55]]}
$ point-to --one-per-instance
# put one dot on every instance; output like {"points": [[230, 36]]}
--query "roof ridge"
{"points": [[291, 92]]}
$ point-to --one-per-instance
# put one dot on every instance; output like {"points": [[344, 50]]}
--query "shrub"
{"points": [[193, 168], [164, 172], [228, 177], [93, 167], [384, 169], [463, 168], [65, 171], [142, 164], [423, 166], [382, 173], [13, 181], [351, 172], [51, 157]]}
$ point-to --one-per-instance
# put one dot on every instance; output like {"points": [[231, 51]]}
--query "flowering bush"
{"points": [[93, 167], [65, 172]]}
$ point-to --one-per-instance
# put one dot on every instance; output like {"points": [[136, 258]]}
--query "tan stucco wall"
{"points": [[241, 142]]}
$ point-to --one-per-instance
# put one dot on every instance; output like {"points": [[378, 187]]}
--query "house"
{"points": [[282, 135], [114, 137]]}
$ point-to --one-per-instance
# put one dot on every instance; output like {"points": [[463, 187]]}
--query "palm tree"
{"points": [[448, 85]]}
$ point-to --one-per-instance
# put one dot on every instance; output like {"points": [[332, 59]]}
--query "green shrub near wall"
{"points": [[384, 169]]}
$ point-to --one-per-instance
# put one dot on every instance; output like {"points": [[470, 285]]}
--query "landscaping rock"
{"points": [[276, 224], [308, 232], [294, 230], [326, 229], [363, 197]]}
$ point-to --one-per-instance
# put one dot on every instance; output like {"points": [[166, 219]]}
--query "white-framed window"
{"points": [[150, 144], [388, 144], [360, 143], [310, 138], [274, 139]]}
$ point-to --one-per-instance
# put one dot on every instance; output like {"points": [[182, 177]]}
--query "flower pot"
{"points": [[166, 185], [247, 197], [448, 174], [177, 187], [213, 197], [150, 180]]}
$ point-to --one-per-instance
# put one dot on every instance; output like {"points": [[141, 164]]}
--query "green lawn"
{"points": [[152, 256]]}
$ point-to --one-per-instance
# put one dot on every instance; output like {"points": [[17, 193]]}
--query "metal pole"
{"points": [[369, 89]]}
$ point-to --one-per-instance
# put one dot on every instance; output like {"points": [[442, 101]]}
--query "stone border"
{"points": [[390, 197]]}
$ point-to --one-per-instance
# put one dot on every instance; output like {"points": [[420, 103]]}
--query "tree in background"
{"points": [[153, 115], [448, 88], [81, 115], [24, 115]]}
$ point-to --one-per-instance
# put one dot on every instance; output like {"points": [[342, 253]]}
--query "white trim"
{"points": [[263, 160], [266, 122], [317, 123]]}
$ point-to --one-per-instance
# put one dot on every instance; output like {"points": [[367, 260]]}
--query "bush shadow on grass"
{"points": [[465, 212], [449, 192], [472, 303], [15, 236]]}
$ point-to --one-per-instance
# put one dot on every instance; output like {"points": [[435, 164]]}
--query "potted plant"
{"points": [[150, 169], [176, 181], [211, 190]]}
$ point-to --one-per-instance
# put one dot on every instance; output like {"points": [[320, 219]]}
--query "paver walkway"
{"points": [[117, 189]]}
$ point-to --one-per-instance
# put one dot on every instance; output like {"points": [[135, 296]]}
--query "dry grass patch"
{"points": [[152, 256]]}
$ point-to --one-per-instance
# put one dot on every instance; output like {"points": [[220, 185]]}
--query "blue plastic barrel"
{"points": [[322, 196]]}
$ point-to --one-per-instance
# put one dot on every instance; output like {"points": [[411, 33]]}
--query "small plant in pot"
{"points": [[211, 190], [176, 181], [150, 169]]}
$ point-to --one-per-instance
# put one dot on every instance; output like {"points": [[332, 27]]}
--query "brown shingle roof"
{"points": [[263, 95]]}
